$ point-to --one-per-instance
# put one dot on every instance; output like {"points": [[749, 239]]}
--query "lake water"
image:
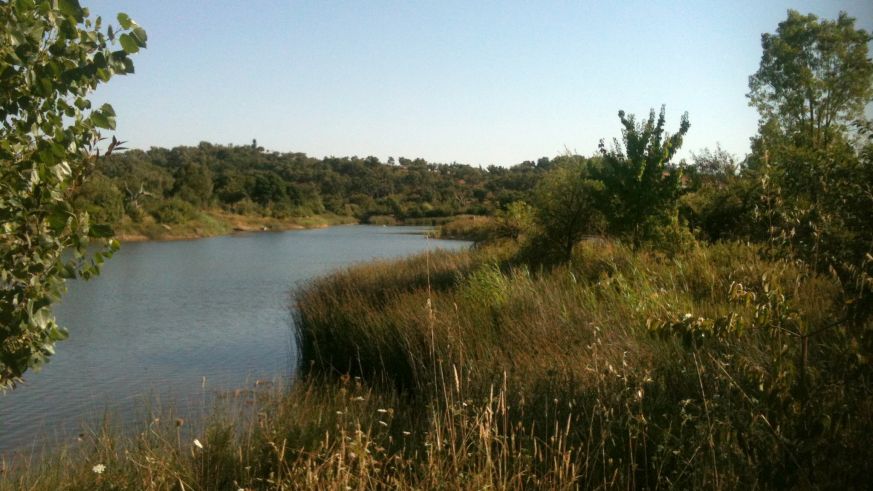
{"points": [[173, 323]]}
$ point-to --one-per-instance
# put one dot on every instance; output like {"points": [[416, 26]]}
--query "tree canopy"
{"points": [[814, 78], [641, 184]]}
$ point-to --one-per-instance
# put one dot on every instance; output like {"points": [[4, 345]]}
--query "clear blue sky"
{"points": [[472, 82]]}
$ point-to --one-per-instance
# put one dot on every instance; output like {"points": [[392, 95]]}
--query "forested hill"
{"points": [[170, 186]]}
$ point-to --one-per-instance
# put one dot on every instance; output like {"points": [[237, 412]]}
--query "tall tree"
{"points": [[814, 78], [814, 81], [51, 57]]}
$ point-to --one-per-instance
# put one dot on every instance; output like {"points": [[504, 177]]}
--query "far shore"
{"points": [[217, 224]]}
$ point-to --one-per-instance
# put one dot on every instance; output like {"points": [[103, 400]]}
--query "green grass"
{"points": [[469, 370]]}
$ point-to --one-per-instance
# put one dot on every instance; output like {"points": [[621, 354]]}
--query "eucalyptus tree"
{"points": [[52, 55]]}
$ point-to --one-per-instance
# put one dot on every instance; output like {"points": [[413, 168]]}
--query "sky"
{"points": [[479, 83]]}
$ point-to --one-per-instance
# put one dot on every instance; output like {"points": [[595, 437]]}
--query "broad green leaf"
{"points": [[102, 121], [139, 35], [72, 9], [128, 43], [124, 20]]}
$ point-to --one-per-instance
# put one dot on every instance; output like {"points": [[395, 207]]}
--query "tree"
{"points": [[641, 186], [814, 77], [716, 165], [814, 81], [565, 207], [51, 57]]}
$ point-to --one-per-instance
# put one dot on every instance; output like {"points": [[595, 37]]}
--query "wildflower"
{"points": [[406, 433], [383, 411], [98, 469], [359, 399], [383, 423], [197, 443]]}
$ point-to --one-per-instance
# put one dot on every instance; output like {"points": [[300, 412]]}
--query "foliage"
{"points": [[51, 57], [173, 211], [566, 208], [641, 186], [250, 181], [516, 221], [719, 201], [814, 78], [815, 183], [688, 371], [474, 228], [733, 365]]}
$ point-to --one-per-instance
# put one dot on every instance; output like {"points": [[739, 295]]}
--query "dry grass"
{"points": [[469, 371], [469, 227]]}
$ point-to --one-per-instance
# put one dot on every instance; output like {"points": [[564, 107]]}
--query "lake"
{"points": [[173, 323]]}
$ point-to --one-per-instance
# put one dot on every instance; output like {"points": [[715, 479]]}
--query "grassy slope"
{"points": [[468, 370]]}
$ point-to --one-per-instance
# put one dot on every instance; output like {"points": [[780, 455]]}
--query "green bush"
{"points": [[173, 211]]}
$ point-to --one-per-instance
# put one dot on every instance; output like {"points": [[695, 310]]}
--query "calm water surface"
{"points": [[164, 315]]}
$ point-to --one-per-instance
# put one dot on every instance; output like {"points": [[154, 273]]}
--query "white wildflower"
{"points": [[98, 469], [197, 443]]}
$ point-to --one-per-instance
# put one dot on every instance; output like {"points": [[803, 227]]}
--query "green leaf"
{"points": [[124, 20], [139, 35], [58, 334], [104, 117], [22, 5], [42, 318], [58, 221], [101, 121], [128, 43], [108, 110], [72, 9]]}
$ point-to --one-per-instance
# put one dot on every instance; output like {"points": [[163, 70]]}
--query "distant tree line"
{"points": [[169, 185]]}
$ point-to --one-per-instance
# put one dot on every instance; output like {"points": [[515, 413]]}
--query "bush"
{"points": [[173, 211]]}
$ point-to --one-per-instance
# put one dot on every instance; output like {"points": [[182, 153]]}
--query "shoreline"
{"points": [[218, 224]]}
